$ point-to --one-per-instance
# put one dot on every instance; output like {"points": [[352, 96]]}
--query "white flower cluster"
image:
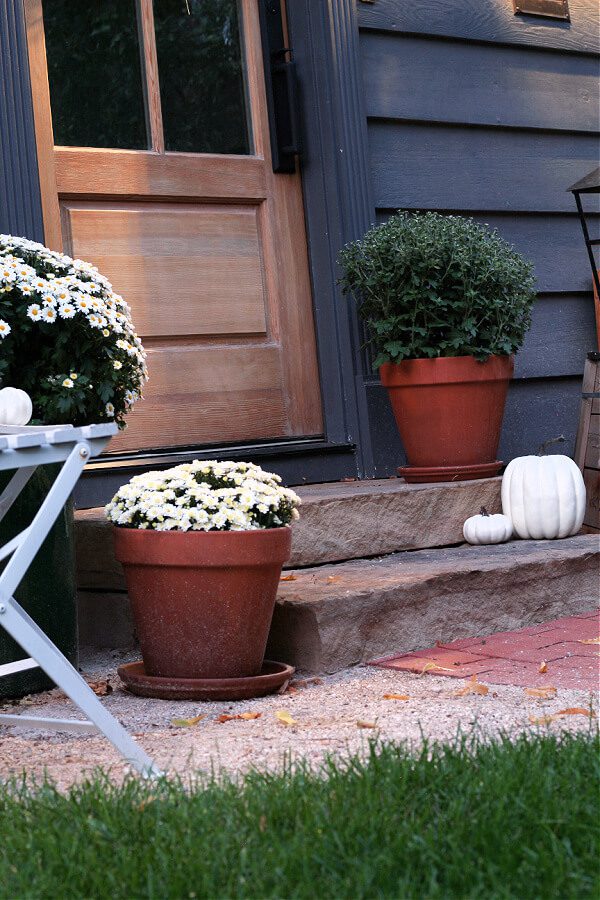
{"points": [[63, 296], [69, 289], [204, 496]]}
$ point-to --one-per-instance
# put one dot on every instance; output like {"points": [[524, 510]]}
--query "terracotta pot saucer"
{"points": [[431, 474], [273, 677]]}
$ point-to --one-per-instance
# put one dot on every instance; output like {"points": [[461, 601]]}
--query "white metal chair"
{"points": [[23, 449]]}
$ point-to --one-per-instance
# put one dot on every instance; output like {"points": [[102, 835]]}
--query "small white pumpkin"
{"points": [[544, 497], [487, 529], [15, 406]]}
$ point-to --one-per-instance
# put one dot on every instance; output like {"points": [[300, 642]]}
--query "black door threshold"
{"points": [[305, 461]]}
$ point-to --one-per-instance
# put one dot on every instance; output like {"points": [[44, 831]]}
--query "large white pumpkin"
{"points": [[543, 496], [15, 406]]}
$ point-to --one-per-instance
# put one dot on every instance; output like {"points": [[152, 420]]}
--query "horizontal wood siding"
{"points": [[486, 20], [475, 111]]}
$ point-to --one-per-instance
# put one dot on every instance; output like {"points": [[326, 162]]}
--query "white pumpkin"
{"points": [[15, 406], [543, 496], [486, 529]]}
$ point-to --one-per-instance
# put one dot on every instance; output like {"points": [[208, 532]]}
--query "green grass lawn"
{"points": [[516, 820]]}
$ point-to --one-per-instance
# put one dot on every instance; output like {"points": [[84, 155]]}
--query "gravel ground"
{"points": [[334, 715]]}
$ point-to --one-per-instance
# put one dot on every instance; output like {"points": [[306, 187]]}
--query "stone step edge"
{"points": [[339, 521], [339, 616], [469, 595]]}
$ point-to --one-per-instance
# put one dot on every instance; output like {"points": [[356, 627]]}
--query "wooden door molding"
{"points": [[42, 114]]}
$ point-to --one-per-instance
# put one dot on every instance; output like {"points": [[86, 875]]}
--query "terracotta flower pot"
{"points": [[449, 413], [202, 601]]}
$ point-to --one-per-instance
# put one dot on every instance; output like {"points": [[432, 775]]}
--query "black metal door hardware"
{"points": [[280, 84]]}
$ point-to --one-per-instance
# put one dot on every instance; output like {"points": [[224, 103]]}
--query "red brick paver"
{"points": [[561, 647]]}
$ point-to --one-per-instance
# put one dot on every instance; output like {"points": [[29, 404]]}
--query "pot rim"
{"points": [[446, 370], [196, 549]]}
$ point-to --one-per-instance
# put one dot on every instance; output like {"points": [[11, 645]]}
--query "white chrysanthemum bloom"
{"points": [[204, 496]]}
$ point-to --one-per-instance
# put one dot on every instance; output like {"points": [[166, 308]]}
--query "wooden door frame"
{"points": [[338, 208]]}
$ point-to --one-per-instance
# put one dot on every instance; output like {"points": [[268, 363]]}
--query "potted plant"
{"points": [[67, 340], [447, 302], [202, 546]]}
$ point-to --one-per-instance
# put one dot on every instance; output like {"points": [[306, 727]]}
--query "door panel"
{"points": [[209, 249], [185, 396], [159, 252]]}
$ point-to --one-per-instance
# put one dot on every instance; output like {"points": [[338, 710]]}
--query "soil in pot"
{"points": [[202, 601], [449, 413]]}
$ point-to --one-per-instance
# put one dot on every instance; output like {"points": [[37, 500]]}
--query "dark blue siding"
{"points": [[479, 112], [20, 204]]}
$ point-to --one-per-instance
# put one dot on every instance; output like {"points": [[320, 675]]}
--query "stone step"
{"points": [[335, 616], [339, 521]]}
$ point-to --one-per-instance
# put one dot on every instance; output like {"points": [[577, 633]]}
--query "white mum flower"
{"points": [[34, 312], [5, 329], [68, 383]]}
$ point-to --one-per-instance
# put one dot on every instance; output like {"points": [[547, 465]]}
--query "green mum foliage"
{"points": [[430, 286]]}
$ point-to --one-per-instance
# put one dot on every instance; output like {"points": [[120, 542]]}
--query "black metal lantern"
{"points": [[590, 184]]}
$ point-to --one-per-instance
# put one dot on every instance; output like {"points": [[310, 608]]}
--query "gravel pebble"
{"points": [[336, 715]]}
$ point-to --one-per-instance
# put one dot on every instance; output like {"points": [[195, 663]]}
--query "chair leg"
{"points": [[24, 630]]}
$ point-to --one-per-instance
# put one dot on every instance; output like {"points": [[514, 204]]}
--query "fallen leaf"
{"points": [[100, 688], [591, 641], [288, 578], [431, 665], [306, 682], [187, 723], [332, 578], [541, 720], [545, 693], [472, 687], [571, 711], [543, 667], [244, 716], [284, 717], [396, 697], [361, 724], [289, 689]]}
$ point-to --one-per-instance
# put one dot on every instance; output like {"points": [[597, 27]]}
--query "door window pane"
{"points": [[94, 70], [201, 73]]}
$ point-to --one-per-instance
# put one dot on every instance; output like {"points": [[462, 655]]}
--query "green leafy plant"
{"points": [[430, 286]]}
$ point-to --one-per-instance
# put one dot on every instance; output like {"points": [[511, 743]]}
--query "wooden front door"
{"points": [[153, 142]]}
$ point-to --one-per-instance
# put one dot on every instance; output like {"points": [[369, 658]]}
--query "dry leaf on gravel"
{"points": [[283, 716], [331, 578], [306, 682], [187, 723], [543, 667], [590, 641], [100, 688], [571, 711], [396, 697], [472, 687], [244, 716], [288, 578], [361, 724], [544, 693]]}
